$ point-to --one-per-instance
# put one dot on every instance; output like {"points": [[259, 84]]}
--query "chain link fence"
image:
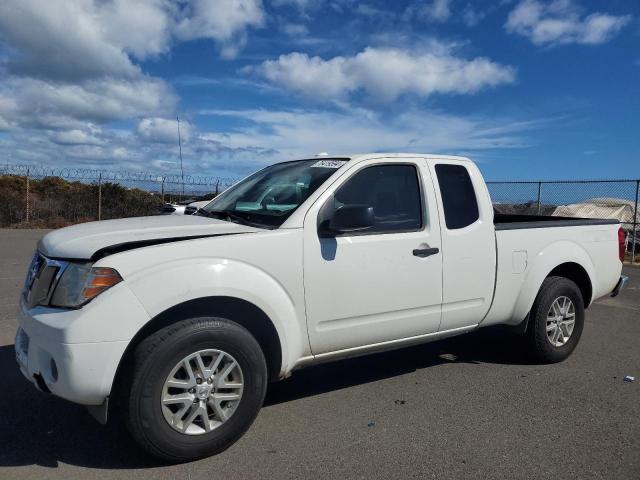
{"points": [[575, 198], [54, 197]]}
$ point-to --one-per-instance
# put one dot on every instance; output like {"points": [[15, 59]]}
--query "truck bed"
{"points": [[504, 221], [528, 248]]}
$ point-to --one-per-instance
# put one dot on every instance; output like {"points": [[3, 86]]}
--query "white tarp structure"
{"points": [[617, 208]]}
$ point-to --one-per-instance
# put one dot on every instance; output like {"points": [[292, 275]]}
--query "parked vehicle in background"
{"points": [[183, 208], [623, 210], [193, 207], [172, 209], [183, 320]]}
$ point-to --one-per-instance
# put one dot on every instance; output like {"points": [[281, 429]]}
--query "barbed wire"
{"points": [[115, 176]]}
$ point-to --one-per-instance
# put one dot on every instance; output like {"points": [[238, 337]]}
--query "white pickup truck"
{"points": [[181, 321]]}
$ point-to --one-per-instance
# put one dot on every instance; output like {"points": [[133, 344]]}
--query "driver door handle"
{"points": [[425, 252]]}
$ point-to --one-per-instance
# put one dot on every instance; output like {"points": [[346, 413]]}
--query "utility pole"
{"points": [[180, 149], [100, 196], [27, 202]]}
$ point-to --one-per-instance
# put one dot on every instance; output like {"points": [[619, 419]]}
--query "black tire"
{"points": [[154, 358], [539, 345]]}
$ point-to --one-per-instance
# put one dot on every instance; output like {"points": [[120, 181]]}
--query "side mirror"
{"points": [[349, 219]]}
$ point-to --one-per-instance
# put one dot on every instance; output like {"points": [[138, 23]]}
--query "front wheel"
{"points": [[195, 388], [556, 320]]}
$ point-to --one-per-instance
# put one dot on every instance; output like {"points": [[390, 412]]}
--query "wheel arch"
{"points": [[563, 259], [241, 311], [577, 274]]}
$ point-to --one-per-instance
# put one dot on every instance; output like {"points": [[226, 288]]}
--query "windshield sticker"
{"points": [[329, 163]]}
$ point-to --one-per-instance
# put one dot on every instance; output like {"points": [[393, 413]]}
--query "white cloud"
{"points": [[384, 73], [152, 145], [260, 137], [141, 28], [76, 137], [71, 39], [299, 133], [225, 21], [562, 22], [220, 19], [162, 130], [90, 147], [8, 108], [309, 75], [433, 11], [32, 102], [69, 68], [60, 40]]}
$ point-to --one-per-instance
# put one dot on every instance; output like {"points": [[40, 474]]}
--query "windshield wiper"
{"points": [[231, 216], [222, 214]]}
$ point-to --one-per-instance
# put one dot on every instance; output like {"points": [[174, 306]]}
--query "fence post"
{"points": [[27, 204], [635, 224], [100, 195], [162, 189], [217, 186], [539, 191]]}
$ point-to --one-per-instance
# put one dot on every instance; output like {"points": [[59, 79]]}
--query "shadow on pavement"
{"points": [[490, 345], [40, 429]]}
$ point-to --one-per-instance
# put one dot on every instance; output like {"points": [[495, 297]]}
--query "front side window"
{"points": [[392, 190], [268, 197], [458, 196]]}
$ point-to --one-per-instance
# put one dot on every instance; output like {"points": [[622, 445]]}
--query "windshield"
{"points": [[268, 197]]}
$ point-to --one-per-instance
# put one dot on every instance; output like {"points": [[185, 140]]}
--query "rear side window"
{"points": [[458, 196], [392, 190]]}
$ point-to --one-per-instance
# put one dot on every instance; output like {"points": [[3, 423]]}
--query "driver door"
{"points": [[367, 287]]}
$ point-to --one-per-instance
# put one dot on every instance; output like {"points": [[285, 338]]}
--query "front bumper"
{"points": [[81, 373], [621, 285], [74, 354]]}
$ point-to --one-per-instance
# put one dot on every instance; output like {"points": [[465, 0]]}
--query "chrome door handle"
{"points": [[425, 252]]}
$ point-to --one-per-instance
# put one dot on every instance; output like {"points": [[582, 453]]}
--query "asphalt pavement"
{"points": [[467, 407]]}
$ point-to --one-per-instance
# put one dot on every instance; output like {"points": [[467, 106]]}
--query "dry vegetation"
{"points": [[54, 202]]}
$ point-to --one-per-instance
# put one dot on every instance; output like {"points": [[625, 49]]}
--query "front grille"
{"points": [[41, 277]]}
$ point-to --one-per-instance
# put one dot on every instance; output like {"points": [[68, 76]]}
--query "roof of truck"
{"points": [[364, 156], [403, 154]]}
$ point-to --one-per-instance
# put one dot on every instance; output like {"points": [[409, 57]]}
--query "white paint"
{"points": [[367, 289], [327, 298]]}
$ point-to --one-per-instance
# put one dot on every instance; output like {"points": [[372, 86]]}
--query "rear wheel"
{"points": [[556, 320], [195, 388]]}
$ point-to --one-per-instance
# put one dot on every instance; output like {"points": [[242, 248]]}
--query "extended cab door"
{"points": [[381, 283], [468, 237]]}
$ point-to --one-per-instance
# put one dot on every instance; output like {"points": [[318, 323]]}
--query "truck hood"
{"points": [[94, 240]]}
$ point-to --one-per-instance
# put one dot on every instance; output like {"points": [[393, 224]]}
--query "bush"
{"points": [[55, 202]]}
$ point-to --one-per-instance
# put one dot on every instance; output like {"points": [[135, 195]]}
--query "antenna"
{"points": [[180, 149]]}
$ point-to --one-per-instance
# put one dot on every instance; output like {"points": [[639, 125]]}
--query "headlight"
{"points": [[81, 282]]}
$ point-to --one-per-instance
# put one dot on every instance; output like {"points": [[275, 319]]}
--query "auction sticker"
{"points": [[329, 163]]}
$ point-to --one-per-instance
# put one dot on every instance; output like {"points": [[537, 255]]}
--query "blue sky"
{"points": [[530, 89]]}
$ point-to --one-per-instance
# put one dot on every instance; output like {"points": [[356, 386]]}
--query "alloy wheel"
{"points": [[202, 392]]}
